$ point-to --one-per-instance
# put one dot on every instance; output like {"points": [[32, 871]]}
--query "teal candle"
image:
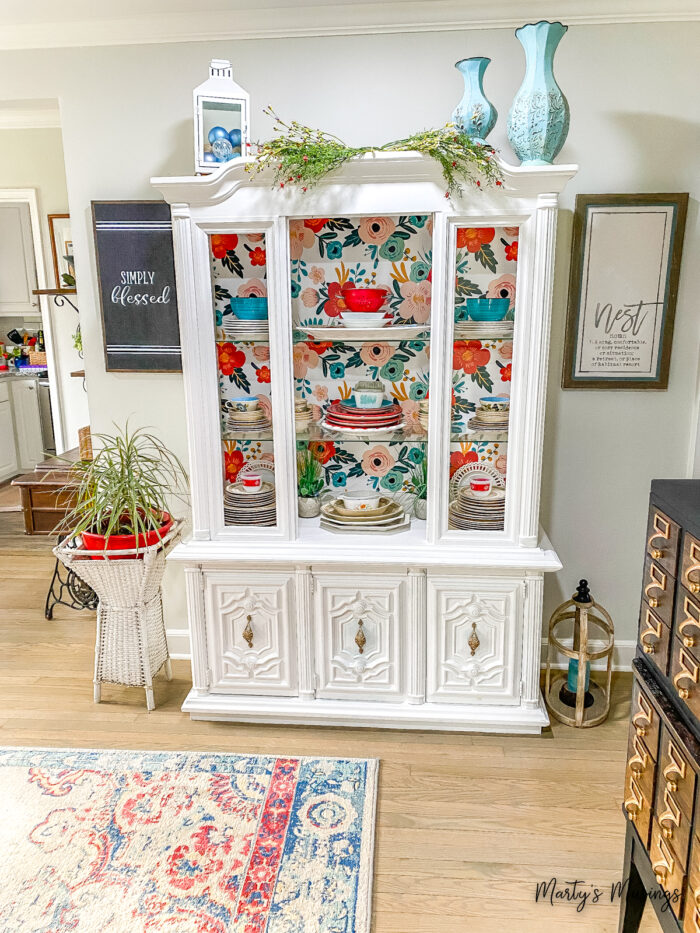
{"points": [[572, 677]]}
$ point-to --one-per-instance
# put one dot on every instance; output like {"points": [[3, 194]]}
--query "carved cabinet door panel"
{"points": [[251, 628], [360, 636], [474, 639]]}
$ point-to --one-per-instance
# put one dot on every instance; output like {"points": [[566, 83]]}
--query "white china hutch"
{"points": [[431, 627]]}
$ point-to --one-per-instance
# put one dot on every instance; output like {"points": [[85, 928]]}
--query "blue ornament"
{"points": [[209, 157], [235, 137], [217, 132], [222, 149]]}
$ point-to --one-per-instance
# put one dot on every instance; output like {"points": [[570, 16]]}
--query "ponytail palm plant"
{"points": [[126, 488]]}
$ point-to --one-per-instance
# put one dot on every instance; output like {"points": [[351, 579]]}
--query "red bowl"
{"points": [[364, 299]]}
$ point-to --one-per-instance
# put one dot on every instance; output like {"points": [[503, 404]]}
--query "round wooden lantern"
{"points": [[572, 697]]}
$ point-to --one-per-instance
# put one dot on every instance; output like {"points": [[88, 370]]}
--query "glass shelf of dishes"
{"points": [[361, 291]]}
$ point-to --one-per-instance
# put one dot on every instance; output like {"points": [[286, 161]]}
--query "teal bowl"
{"points": [[487, 309], [249, 309]]}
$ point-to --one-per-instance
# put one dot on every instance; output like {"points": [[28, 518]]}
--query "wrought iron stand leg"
{"points": [[73, 593]]}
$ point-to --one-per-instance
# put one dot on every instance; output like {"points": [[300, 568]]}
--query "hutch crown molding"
{"points": [[432, 627]]}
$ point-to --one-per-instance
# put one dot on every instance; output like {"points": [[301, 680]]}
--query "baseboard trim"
{"points": [[623, 654], [178, 644]]}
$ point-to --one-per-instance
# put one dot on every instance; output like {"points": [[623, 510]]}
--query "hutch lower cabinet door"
{"points": [[360, 633], [251, 632], [474, 639]]}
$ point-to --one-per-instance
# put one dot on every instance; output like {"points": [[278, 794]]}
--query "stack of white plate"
{"points": [[423, 413], [473, 513], [302, 415], [245, 507], [386, 518], [234, 328], [487, 420], [489, 330], [249, 421]]}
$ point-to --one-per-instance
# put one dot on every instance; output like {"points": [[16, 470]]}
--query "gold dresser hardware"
{"points": [[248, 632], [685, 671], [658, 580], [670, 817], [473, 640], [687, 619], [691, 563], [360, 638]]}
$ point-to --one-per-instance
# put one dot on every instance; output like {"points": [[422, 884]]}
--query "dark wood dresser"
{"points": [[661, 797]]}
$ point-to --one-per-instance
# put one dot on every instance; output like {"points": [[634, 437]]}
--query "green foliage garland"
{"points": [[303, 156]]}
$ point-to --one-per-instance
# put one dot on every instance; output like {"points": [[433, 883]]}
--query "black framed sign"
{"points": [[136, 275], [625, 265]]}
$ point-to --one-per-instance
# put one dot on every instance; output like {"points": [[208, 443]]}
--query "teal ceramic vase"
{"points": [[475, 115], [538, 121]]}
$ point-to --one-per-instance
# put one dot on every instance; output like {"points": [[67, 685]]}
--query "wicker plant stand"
{"points": [[130, 646]]}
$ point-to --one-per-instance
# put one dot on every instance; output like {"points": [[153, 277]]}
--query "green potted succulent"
{"points": [[309, 484], [122, 495], [419, 483]]}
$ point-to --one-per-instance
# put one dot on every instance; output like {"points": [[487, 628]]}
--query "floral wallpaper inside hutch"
{"points": [[239, 269], [391, 252], [486, 264]]}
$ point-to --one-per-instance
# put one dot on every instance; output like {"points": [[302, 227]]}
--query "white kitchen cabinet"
{"points": [[17, 267], [252, 647], [25, 405], [474, 639], [359, 645], [8, 448]]}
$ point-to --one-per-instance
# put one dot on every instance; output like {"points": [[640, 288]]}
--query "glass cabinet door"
{"points": [[239, 285], [361, 368], [484, 283]]}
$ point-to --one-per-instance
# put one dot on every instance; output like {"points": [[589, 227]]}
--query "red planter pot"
{"points": [[95, 542]]}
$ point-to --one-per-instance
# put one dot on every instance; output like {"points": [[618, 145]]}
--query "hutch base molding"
{"points": [[424, 611]]}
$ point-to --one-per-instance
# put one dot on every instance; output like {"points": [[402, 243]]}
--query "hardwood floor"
{"points": [[467, 824]]}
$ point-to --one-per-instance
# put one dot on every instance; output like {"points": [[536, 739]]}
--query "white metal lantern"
{"points": [[221, 115]]}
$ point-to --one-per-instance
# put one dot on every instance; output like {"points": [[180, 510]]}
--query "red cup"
{"points": [[480, 486], [251, 481]]}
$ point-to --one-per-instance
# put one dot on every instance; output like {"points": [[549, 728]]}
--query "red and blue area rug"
{"points": [[182, 842]]}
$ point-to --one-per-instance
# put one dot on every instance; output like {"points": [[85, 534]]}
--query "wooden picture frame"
{"points": [[61, 248], [625, 264]]}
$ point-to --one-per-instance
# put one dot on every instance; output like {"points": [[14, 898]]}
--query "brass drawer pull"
{"points": [[662, 529], [691, 620], [248, 632], [634, 803], [675, 769], [653, 629], [640, 759], [670, 819], [643, 718], [693, 586], [689, 671], [657, 581], [665, 866], [360, 637]]}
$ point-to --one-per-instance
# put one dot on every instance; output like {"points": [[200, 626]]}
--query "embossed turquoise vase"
{"points": [[474, 114], [539, 116]]}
